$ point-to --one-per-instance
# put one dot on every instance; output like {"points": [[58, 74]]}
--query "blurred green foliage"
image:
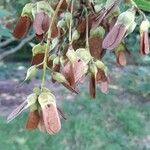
{"points": [[143, 4]]}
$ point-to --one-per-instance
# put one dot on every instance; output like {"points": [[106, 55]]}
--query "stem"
{"points": [[40, 64], [140, 12], [87, 31], [48, 43], [70, 26]]}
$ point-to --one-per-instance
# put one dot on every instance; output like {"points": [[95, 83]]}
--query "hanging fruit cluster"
{"points": [[73, 36]]}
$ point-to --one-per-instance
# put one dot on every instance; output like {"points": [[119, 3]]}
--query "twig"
{"points": [[5, 43], [137, 8], [49, 42], [13, 50]]}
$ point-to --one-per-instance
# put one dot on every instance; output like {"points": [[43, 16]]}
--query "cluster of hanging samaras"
{"points": [[44, 114], [80, 36], [70, 57]]}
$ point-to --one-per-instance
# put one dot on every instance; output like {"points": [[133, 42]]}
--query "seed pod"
{"points": [[144, 46], [75, 73], [68, 72], [75, 35], [46, 98], [50, 60], [95, 42], [98, 32], [46, 23], [49, 112], [59, 77], [38, 53], [71, 54], [42, 20], [38, 59], [22, 27], [80, 43], [41, 125], [144, 37], [114, 37], [120, 55], [104, 87], [41, 23], [95, 46], [126, 18], [83, 54], [46, 90], [15, 113], [100, 65], [43, 6], [119, 31], [80, 70], [51, 119], [33, 120], [24, 22], [56, 65], [56, 68], [92, 86], [63, 60], [93, 69], [145, 25], [39, 48], [31, 100], [101, 76], [105, 13], [31, 72], [97, 8], [27, 10], [131, 28], [56, 60], [36, 90], [121, 58]]}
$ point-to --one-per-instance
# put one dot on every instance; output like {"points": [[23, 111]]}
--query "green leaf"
{"points": [[143, 4]]}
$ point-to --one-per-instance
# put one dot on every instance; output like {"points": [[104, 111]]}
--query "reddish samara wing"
{"points": [[51, 119], [22, 27], [114, 37], [33, 120], [92, 86]]}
